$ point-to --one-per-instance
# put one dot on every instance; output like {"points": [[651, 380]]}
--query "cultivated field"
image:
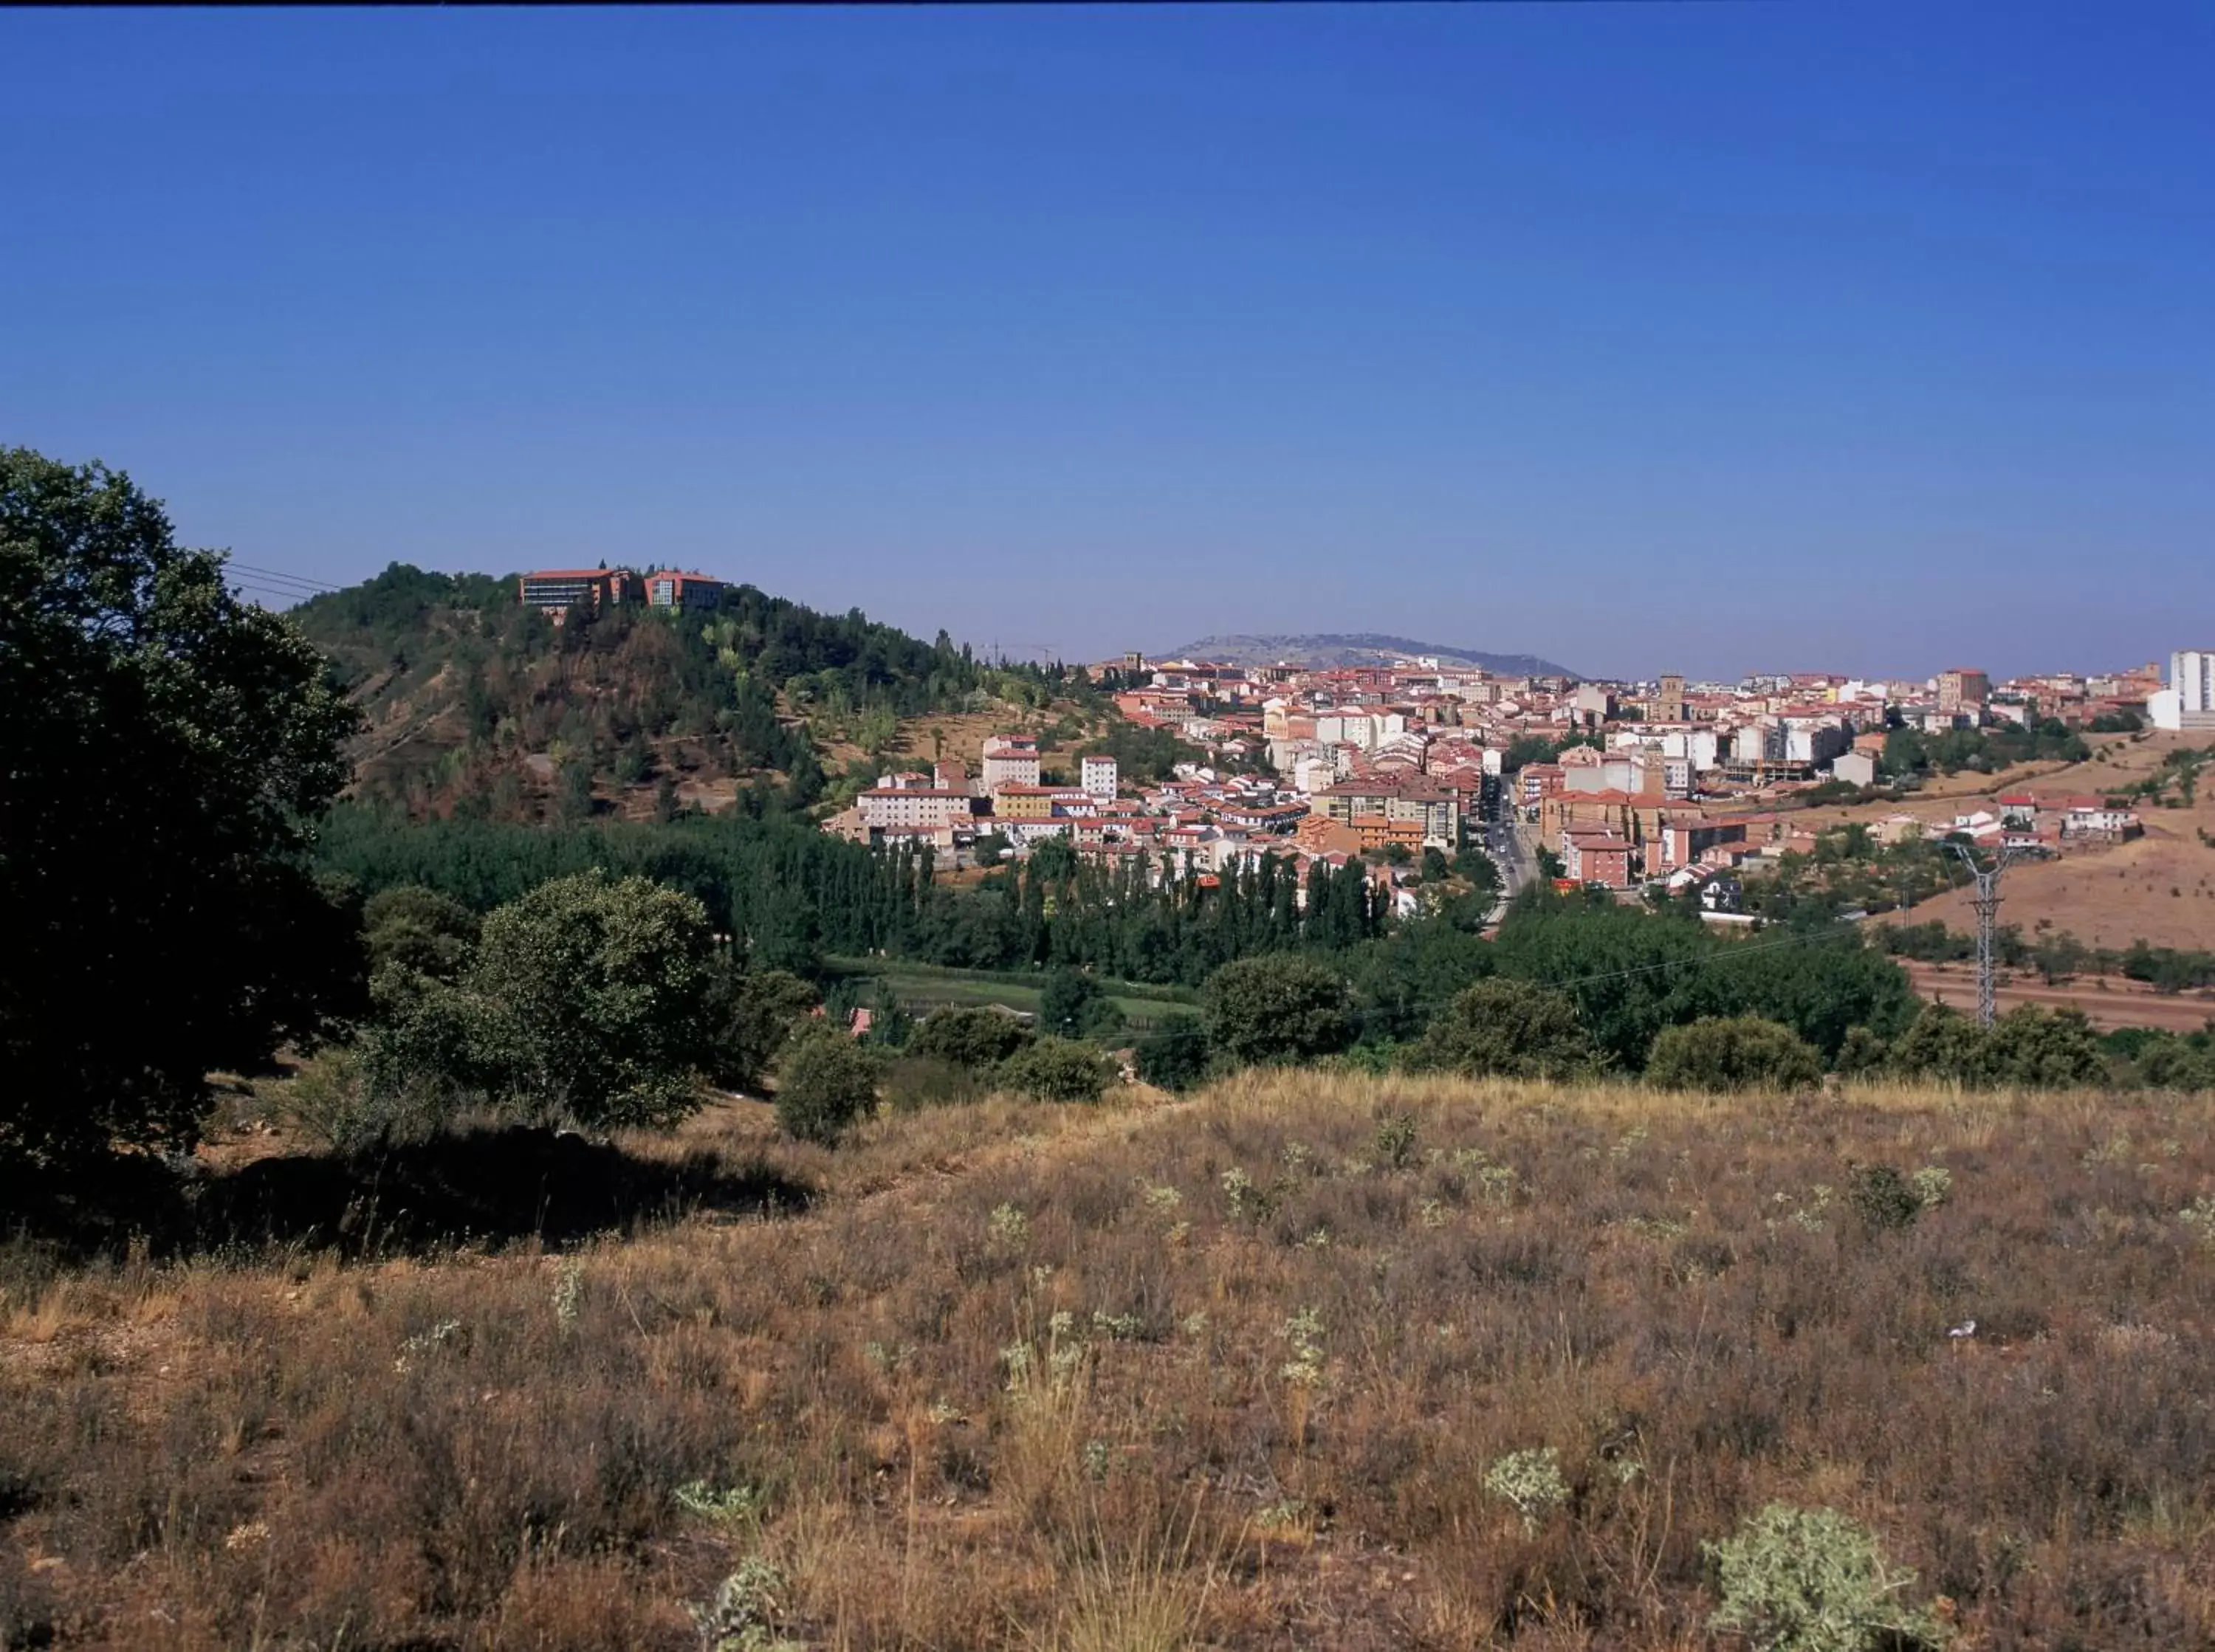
{"points": [[1238, 1372], [2107, 1002]]}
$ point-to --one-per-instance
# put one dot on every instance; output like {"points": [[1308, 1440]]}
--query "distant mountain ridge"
{"points": [[1338, 648]]}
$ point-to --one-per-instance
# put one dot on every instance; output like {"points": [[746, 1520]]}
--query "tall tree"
{"points": [[171, 747]]}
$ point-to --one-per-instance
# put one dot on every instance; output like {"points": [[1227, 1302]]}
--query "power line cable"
{"points": [[299, 593], [279, 573]]}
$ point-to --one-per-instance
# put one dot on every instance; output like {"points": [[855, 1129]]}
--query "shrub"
{"points": [[1798, 1580], [971, 1038], [2169, 1063], [1177, 1057], [1731, 1053], [1884, 1198], [1941, 1043], [1277, 1009], [332, 1100], [913, 1082], [826, 1083], [2036, 1049], [1531, 1481], [742, 1617], [2045, 1049], [1508, 1029], [419, 930], [1057, 1070], [1863, 1052], [1395, 1140]]}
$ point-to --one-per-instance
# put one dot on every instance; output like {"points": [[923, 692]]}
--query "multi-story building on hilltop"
{"points": [[556, 591], [667, 587]]}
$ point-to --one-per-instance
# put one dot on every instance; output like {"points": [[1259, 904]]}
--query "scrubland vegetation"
{"points": [[1304, 1360], [1604, 1283]]}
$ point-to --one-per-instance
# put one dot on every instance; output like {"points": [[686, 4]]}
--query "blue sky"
{"points": [[1713, 337]]}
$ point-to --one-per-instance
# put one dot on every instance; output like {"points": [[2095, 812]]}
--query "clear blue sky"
{"points": [[1720, 337]]}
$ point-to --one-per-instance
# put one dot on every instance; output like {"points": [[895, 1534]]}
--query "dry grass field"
{"points": [[2159, 888], [1229, 1373]]}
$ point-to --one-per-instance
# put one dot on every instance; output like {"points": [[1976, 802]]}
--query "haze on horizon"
{"points": [[1873, 338]]}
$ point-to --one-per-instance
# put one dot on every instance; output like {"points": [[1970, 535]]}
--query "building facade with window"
{"points": [[667, 587], [556, 591]]}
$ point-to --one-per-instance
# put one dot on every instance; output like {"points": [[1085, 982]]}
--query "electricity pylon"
{"points": [[1986, 901]]}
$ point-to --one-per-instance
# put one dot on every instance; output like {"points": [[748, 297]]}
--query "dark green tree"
{"points": [[1175, 1056], [1511, 1030], [1057, 1070], [971, 1038], [1942, 1044], [1280, 1007], [420, 931], [1482, 871], [171, 750], [751, 1014], [1067, 1003], [588, 1002]]}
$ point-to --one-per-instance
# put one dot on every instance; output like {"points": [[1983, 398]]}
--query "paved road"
{"points": [[1503, 842]]}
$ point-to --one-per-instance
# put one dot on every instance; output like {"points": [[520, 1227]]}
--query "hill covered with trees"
{"points": [[474, 702]]}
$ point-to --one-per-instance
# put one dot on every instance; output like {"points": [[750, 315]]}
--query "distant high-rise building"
{"points": [[1669, 703], [1098, 777], [2192, 674], [2188, 702]]}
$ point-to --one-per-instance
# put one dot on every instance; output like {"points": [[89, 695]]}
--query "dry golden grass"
{"points": [[2159, 888], [1026, 1377]]}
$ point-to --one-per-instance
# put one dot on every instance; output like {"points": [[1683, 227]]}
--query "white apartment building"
{"points": [[1367, 730], [883, 807], [1097, 776], [1809, 742], [2188, 702], [1009, 760]]}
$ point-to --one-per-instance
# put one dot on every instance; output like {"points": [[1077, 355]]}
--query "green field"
{"points": [[922, 987]]}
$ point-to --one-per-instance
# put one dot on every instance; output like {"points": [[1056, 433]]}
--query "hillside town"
{"points": [[1671, 784]]}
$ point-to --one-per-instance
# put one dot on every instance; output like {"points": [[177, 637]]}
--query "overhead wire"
{"points": [[289, 579]]}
